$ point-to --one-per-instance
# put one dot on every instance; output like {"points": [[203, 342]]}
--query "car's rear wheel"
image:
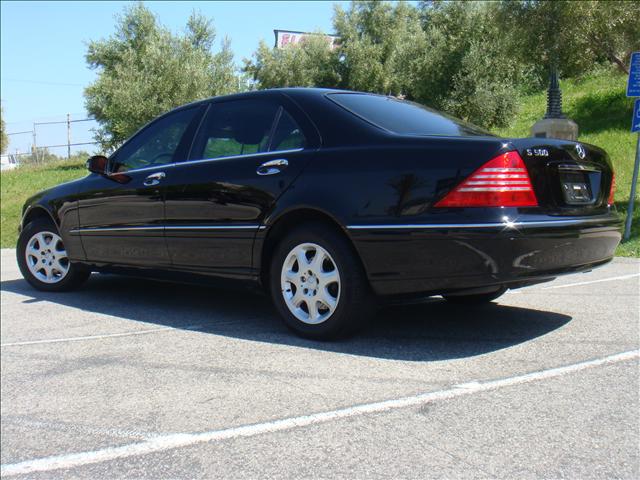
{"points": [[43, 260], [476, 299], [318, 284]]}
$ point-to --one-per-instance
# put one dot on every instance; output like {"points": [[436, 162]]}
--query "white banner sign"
{"points": [[289, 37]]}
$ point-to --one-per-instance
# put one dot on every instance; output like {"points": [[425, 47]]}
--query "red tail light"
{"points": [[612, 190], [501, 182]]}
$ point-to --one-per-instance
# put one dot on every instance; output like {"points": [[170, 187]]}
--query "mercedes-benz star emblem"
{"points": [[581, 152]]}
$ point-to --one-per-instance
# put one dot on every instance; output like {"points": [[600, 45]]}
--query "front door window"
{"points": [[156, 145]]}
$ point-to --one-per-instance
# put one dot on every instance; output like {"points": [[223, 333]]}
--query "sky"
{"points": [[42, 47]]}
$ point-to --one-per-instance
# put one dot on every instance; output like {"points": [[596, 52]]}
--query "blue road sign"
{"points": [[635, 123], [633, 85]]}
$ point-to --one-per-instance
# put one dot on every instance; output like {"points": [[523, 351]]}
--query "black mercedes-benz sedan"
{"points": [[330, 200]]}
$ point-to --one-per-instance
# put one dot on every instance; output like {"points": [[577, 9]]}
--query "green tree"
{"points": [[379, 43], [308, 64], [437, 54], [575, 36], [4, 138], [144, 70], [465, 68]]}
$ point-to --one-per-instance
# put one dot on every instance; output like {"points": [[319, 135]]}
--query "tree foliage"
{"points": [[310, 64], [436, 54], [573, 35], [471, 59], [379, 43], [144, 70], [464, 68], [4, 138]]}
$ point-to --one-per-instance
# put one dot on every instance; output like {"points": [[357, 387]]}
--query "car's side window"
{"points": [[238, 127], [155, 145], [287, 135]]}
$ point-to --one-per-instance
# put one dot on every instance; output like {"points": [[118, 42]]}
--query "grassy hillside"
{"points": [[597, 103], [19, 184]]}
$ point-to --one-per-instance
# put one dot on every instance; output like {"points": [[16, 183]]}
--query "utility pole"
{"points": [[34, 149], [68, 136]]}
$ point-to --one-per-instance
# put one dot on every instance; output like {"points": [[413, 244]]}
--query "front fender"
{"points": [[60, 205]]}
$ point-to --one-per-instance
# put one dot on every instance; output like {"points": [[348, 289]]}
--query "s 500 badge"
{"points": [[537, 152]]}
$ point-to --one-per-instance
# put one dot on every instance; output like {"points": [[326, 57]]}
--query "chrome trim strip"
{"points": [[425, 226], [144, 169], [169, 227], [204, 160], [545, 223], [212, 227], [570, 167], [113, 229]]}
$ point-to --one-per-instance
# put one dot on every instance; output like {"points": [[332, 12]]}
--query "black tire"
{"points": [[76, 275], [356, 303], [477, 299]]}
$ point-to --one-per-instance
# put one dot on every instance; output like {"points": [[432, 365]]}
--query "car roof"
{"points": [[298, 91], [323, 115]]}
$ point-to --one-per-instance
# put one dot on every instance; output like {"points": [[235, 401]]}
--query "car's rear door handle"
{"points": [[272, 167], [154, 179]]}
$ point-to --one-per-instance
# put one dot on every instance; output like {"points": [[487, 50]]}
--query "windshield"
{"points": [[403, 117]]}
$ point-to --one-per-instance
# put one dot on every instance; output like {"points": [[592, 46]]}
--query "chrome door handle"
{"points": [[154, 179], [272, 167]]}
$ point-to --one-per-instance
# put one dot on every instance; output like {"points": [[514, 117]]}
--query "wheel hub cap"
{"points": [[46, 257], [310, 283]]}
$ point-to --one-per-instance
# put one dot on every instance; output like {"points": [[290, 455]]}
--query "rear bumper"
{"points": [[440, 258]]}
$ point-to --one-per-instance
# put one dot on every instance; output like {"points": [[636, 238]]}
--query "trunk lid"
{"points": [[569, 178]]}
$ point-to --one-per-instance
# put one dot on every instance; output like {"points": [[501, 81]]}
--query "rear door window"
{"points": [[238, 127], [287, 134]]}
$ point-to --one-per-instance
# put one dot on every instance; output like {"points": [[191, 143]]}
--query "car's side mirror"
{"points": [[97, 164]]}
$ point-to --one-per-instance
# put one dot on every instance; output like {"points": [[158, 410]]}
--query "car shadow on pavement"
{"points": [[434, 330]]}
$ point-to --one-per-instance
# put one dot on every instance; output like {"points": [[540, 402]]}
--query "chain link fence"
{"points": [[51, 139]]}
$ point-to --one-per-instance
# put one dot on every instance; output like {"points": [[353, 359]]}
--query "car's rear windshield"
{"points": [[403, 117]]}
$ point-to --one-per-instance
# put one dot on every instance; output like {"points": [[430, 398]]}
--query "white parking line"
{"points": [[565, 285], [168, 442], [610, 279], [97, 337]]}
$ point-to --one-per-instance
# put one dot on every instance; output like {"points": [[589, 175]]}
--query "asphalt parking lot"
{"points": [[136, 379]]}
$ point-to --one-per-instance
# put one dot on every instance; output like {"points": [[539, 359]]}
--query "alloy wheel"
{"points": [[46, 257], [310, 283]]}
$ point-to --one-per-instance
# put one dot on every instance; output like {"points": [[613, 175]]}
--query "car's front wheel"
{"points": [[318, 284], [43, 259]]}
